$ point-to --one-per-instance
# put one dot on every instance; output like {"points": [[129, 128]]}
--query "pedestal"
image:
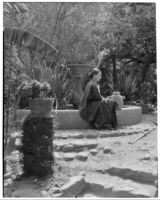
{"points": [[37, 140]]}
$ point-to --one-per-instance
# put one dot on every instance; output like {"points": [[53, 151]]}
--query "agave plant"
{"points": [[10, 8], [127, 85], [61, 86]]}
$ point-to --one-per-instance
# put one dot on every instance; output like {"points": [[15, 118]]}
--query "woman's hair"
{"points": [[93, 72], [89, 76]]}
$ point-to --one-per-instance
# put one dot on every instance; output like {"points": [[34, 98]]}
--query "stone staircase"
{"points": [[83, 148], [109, 166]]}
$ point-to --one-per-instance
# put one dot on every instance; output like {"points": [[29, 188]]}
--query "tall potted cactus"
{"points": [[37, 139]]}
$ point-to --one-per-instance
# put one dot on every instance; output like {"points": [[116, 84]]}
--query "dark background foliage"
{"points": [[79, 31]]}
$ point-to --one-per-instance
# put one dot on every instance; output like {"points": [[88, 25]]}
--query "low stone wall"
{"points": [[70, 119], [129, 115]]}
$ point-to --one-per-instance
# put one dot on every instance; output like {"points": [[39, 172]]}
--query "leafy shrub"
{"points": [[146, 94]]}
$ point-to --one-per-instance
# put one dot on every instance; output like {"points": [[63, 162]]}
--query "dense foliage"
{"points": [[37, 146], [80, 31]]}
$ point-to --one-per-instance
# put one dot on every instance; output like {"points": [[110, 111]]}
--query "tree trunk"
{"points": [[148, 60], [114, 72]]}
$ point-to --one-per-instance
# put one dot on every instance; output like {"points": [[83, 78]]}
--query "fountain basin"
{"points": [[70, 119]]}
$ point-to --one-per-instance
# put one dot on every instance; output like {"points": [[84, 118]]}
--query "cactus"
{"points": [[46, 75]]}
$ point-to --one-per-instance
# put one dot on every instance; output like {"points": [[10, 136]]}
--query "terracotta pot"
{"points": [[117, 98], [41, 105]]}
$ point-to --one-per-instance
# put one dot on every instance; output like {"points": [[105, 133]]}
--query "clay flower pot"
{"points": [[41, 105]]}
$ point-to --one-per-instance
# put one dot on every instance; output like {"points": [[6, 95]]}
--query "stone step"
{"points": [[80, 156], [74, 187], [105, 185], [133, 172], [91, 133], [74, 145], [69, 153]]}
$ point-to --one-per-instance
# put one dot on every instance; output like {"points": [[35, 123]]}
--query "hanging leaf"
{"points": [[28, 40]]}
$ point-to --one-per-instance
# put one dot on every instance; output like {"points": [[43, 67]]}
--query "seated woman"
{"points": [[99, 112]]}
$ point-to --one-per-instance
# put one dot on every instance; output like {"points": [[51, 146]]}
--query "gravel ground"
{"points": [[111, 151]]}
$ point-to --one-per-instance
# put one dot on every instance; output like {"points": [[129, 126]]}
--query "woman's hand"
{"points": [[109, 97]]}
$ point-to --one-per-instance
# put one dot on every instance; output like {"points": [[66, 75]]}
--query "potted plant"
{"points": [[35, 93], [37, 139], [38, 101]]}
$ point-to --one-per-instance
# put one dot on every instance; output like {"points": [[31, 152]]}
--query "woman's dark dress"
{"points": [[96, 110]]}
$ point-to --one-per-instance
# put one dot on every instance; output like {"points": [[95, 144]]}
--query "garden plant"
{"points": [[42, 39]]}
